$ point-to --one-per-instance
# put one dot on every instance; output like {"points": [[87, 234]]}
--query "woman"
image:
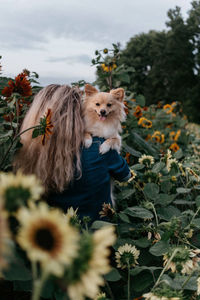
{"points": [[72, 175]]}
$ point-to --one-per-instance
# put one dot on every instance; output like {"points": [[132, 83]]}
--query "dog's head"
{"points": [[104, 106]]}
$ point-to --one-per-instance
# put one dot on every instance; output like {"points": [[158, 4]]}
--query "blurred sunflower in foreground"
{"points": [[47, 237], [85, 276], [4, 235], [17, 190]]}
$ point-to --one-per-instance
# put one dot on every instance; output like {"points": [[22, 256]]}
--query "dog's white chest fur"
{"points": [[102, 130]]}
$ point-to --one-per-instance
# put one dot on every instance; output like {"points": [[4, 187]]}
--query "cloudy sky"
{"points": [[57, 38]]}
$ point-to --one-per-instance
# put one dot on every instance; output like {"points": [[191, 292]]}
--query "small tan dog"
{"points": [[103, 114]]}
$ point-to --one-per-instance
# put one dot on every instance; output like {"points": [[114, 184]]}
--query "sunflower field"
{"points": [[149, 246]]}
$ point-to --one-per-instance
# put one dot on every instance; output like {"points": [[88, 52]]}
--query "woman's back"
{"points": [[93, 188]]}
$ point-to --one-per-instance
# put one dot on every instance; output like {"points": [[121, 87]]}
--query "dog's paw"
{"points": [[105, 147], [87, 142], [117, 147]]}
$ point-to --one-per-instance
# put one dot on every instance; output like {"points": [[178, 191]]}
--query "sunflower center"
{"points": [[45, 239]]}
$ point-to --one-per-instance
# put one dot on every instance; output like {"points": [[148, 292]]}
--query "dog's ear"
{"points": [[118, 94], [90, 90]]}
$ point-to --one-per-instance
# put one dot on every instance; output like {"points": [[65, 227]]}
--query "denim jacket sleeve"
{"points": [[117, 166]]}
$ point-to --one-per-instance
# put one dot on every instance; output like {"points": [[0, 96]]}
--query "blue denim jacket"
{"points": [[93, 188]]}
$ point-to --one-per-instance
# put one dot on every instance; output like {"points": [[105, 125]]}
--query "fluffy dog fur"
{"points": [[103, 114]]}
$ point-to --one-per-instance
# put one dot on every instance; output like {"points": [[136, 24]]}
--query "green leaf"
{"points": [[158, 167], [138, 270], [151, 191], [196, 222], [182, 190], [165, 199], [37, 131], [197, 200], [138, 140], [143, 242], [167, 213], [138, 212], [124, 217], [100, 224], [159, 248], [138, 167], [113, 275], [127, 193], [178, 154], [131, 150], [17, 270], [140, 99]]}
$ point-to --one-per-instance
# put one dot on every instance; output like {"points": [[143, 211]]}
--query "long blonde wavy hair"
{"points": [[56, 162]]}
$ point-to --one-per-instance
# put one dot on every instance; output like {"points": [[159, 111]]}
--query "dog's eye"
{"points": [[97, 104], [109, 104]]}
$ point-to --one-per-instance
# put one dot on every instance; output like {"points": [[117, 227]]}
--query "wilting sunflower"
{"points": [[21, 85], [126, 255], [184, 261], [47, 237], [47, 125], [175, 147], [127, 157], [4, 235], [146, 160], [107, 211], [145, 122], [158, 137], [138, 111], [91, 264], [17, 190]]}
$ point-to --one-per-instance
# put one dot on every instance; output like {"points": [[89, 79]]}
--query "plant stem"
{"points": [[109, 290], [38, 285], [34, 270], [128, 281], [165, 268], [186, 281], [154, 210], [14, 139]]}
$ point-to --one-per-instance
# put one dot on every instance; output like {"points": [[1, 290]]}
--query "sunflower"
{"points": [[145, 122], [47, 125], [47, 237], [158, 137], [17, 190], [107, 211], [105, 50], [126, 255], [4, 235], [138, 111], [21, 85], [175, 135], [126, 107], [185, 260], [146, 160], [168, 108], [91, 264], [175, 147]]}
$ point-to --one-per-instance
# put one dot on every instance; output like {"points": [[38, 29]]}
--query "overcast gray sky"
{"points": [[57, 38]]}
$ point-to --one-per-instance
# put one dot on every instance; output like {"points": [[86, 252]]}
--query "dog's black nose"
{"points": [[102, 112]]}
